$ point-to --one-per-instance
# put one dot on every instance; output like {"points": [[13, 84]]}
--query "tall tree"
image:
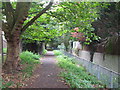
{"points": [[108, 28], [13, 26], [79, 14], [43, 30]]}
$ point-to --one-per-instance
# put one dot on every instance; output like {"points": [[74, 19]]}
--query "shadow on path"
{"points": [[47, 74]]}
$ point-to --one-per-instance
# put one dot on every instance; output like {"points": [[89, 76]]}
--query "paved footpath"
{"points": [[47, 74]]}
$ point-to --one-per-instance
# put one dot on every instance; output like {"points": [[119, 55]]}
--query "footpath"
{"points": [[47, 73]]}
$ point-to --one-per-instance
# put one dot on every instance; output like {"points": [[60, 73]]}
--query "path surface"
{"points": [[48, 74]]}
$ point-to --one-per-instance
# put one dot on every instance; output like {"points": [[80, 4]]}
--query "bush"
{"points": [[75, 75], [44, 51], [29, 57], [30, 61], [57, 52], [5, 50]]}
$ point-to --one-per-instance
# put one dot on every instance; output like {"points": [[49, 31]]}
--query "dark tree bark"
{"points": [[66, 46], [92, 48], [14, 28], [41, 48], [13, 49], [91, 56]]}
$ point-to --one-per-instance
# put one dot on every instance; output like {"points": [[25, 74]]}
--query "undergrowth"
{"points": [[29, 58], [76, 75], [44, 51], [57, 52], [4, 50], [29, 61]]}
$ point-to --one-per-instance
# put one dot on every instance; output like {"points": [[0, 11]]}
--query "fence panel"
{"points": [[106, 76]]}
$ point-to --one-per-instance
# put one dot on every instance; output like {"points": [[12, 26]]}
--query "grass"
{"points": [[0, 58], [44, 51], [3, 57], [29, 62], [76, 75], [57, 52], [4, 50], [29, 58]]}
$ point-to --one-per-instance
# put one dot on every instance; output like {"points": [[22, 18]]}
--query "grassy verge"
{"points": [[76, 75], [4, 50], [57, 52], [29, 62], [3, 57], [44, 51]]}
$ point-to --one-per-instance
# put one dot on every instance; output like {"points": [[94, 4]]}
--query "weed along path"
{"points": [[47, 74]]}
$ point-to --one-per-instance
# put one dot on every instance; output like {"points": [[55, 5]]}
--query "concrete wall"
{"points": [[109, 61]]}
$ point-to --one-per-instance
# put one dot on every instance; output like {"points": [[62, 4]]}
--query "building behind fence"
{"points": [[110, 78]]}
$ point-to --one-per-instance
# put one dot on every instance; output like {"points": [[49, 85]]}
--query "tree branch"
{"points": [[36, 17], [5, 27], [21, 13], [9, 12], [59, 19]]}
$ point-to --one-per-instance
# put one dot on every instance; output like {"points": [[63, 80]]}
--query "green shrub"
{"points": [[75, 75], [29, 57], [57, 52], [5, 50], [31, 60], [6, 85], [44, 51]]}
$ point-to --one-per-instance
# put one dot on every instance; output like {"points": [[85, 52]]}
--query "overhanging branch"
{"points": [[9, 12], [36, 17], [5, 27]]}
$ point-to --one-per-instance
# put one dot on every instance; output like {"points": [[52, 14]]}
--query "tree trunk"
{"points": [[41, 48], [92, 51], [21, 47], [13, 49], [91, 56], [66, 46]]}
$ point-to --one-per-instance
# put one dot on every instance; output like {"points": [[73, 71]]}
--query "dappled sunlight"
{"points": [[58, 44]]}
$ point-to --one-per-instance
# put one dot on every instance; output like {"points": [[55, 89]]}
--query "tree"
{"points": [[13, 27], [42, 31], [107, 27], [79, 14]]}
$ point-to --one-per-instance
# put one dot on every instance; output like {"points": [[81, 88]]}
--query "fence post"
{"points": [[111, 79], [98, 73], [2, 46], [91, 68]]}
